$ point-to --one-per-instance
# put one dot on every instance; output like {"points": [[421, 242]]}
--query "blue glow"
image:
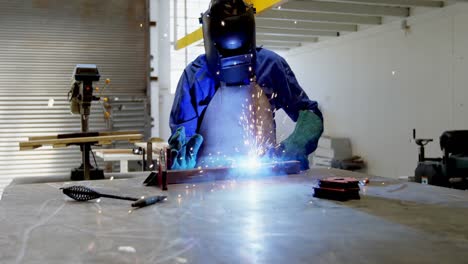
{"points": [[232, 43], [252, 166], [250, 162]]}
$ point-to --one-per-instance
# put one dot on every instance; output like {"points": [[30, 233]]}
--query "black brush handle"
{"points": [[118, 197]]}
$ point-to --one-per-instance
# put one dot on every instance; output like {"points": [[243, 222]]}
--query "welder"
{"points": [[226, 98]]}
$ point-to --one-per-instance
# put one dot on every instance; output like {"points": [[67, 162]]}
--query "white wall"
{"points": [[168, 62], [154, 87], [376, 85], [161, 63]]}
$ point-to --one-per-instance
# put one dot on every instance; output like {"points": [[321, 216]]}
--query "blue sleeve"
{"points": [[274, 72], [183, 111], [292, 97]]}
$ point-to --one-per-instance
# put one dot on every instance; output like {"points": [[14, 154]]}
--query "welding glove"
{"points": [[184, 154], [303, 140]]}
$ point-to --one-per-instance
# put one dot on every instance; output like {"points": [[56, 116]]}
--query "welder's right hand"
{"points": [[302, 142], [184, 154]]}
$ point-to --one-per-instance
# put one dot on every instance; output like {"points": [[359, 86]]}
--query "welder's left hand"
{"points": [[302, 141], [184, 154]]}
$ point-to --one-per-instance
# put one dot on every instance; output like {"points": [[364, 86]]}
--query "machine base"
{"points": [[94, 174]]}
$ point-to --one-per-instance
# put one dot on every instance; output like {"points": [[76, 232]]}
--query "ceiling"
{"points": [[297, 22]]}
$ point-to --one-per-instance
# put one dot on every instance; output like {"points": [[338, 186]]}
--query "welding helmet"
{"points": [[229, 39]]}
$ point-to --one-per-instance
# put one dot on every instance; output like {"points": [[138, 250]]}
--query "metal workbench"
{"points": [[270, 220]]}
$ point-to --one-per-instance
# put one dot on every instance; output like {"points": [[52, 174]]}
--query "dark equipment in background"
{"points": [[352, 164], [80, 97], [449, 171]]}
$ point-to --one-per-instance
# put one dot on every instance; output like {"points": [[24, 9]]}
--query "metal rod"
{"points": [[119, 197], [86, 164], [84, 123], [149, 155]]}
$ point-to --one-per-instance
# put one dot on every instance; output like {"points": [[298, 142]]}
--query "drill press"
{"points": [[80, 96]]}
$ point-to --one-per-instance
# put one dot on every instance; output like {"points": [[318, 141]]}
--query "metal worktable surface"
{"points": [[271, 220]]}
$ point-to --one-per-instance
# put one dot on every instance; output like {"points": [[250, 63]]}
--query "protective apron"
{"points": [[237, 125]]}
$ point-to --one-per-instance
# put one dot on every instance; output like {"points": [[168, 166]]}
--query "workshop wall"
{"points": [[41, 41], [376, 85]]}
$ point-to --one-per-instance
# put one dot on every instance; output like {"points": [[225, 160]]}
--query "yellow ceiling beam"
{"points": [[189, 39], [260, 6]]}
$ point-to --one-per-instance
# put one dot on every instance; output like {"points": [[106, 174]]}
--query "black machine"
{"points": [[81, 96], [452, 169]]}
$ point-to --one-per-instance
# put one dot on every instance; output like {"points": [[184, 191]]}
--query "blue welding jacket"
{"points": [[196, 87]]}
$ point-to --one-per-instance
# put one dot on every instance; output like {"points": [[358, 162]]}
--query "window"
{"points": [[184, 20]]}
